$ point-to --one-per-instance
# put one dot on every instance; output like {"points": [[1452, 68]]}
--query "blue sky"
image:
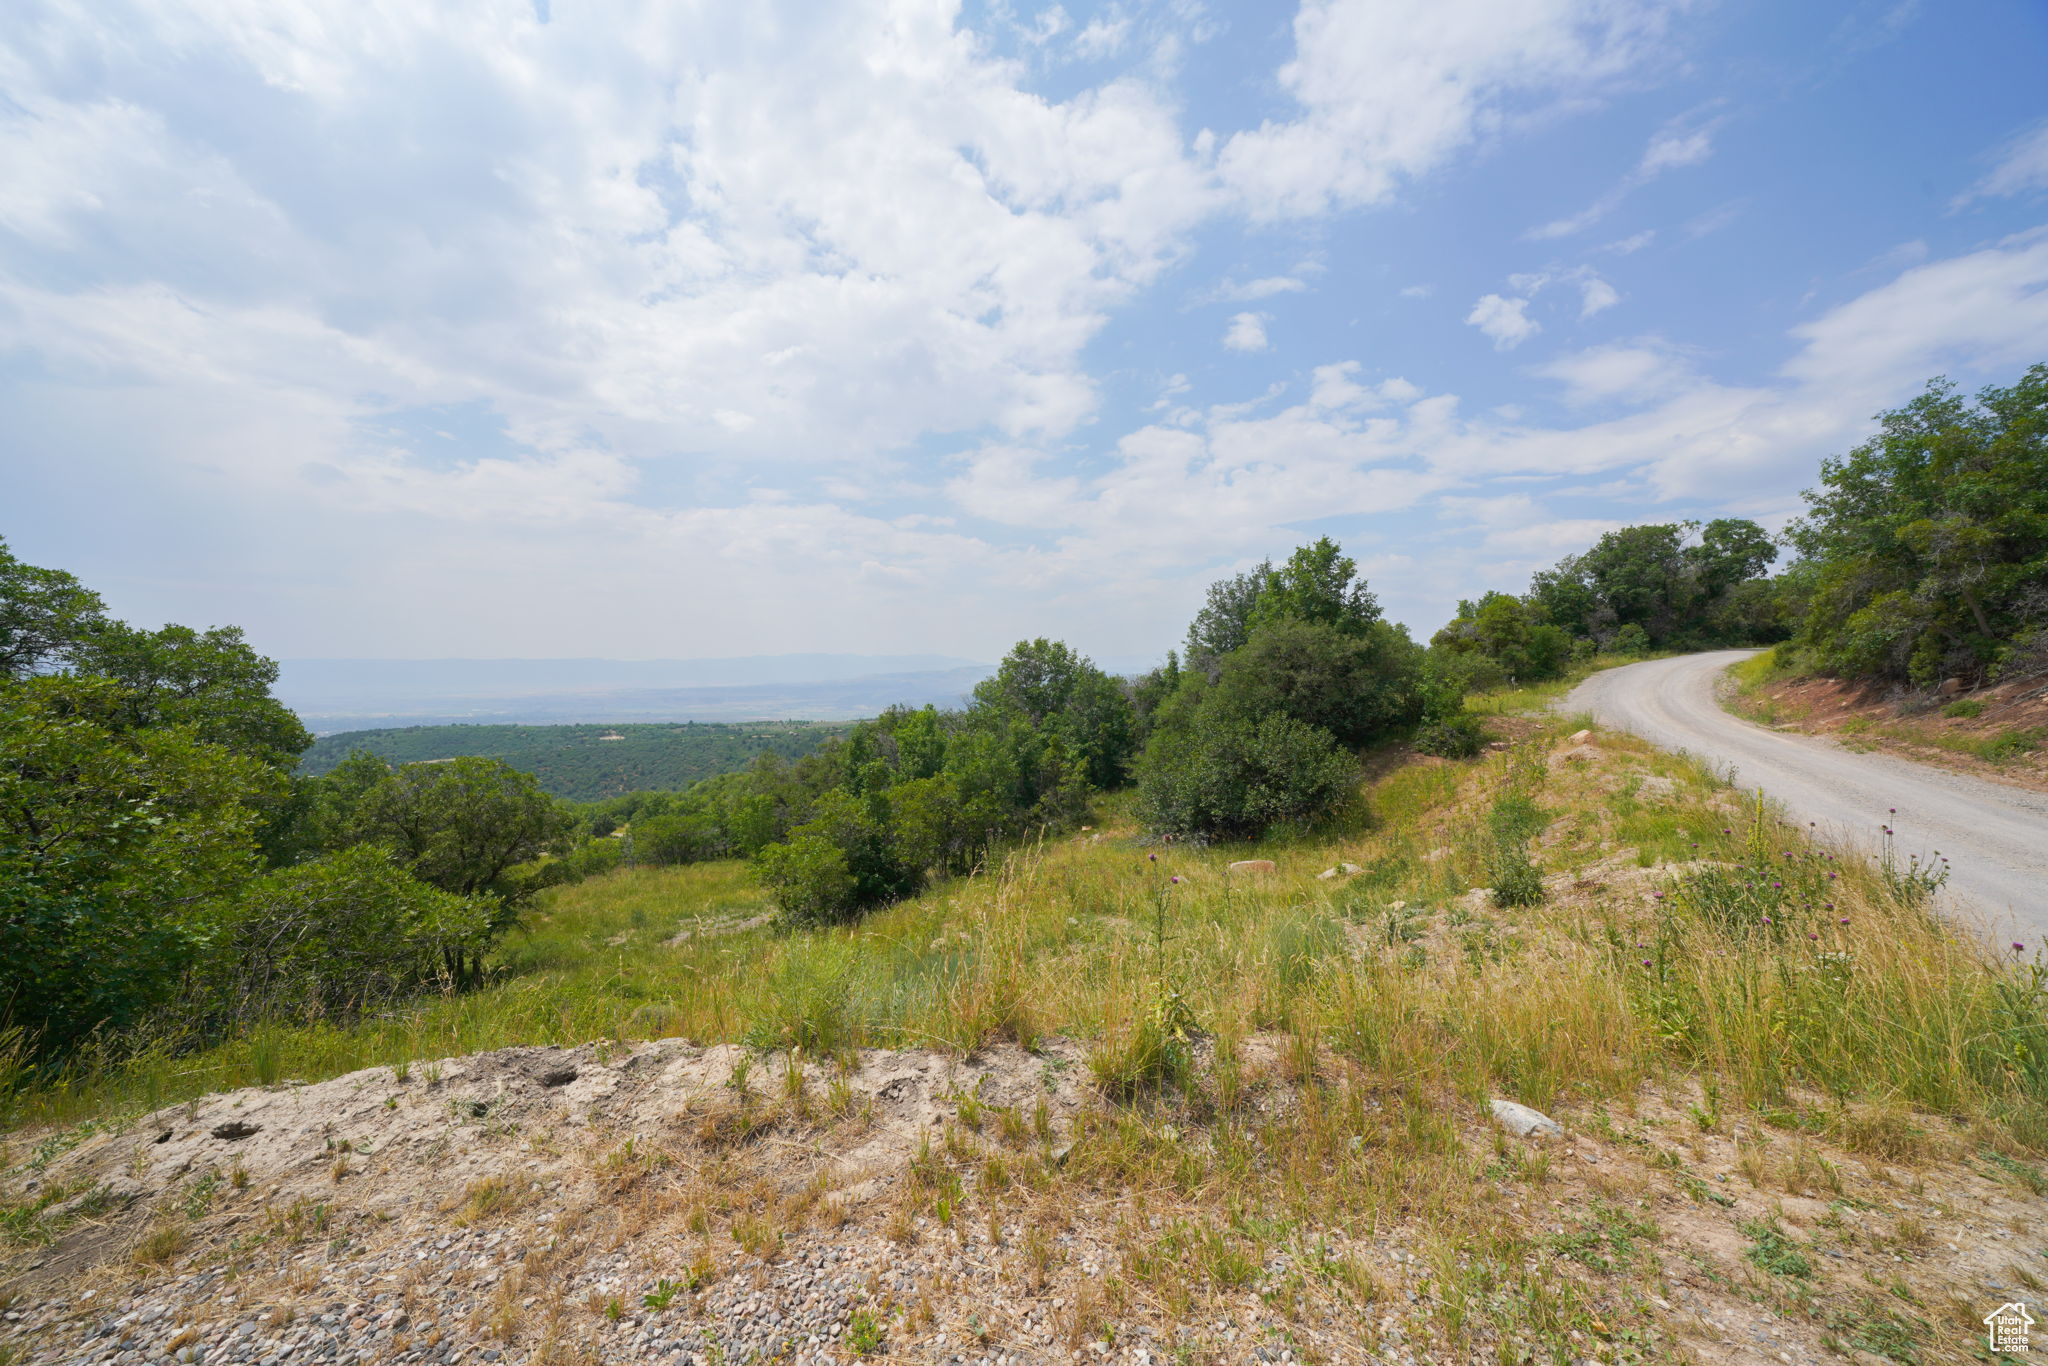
{"points": [[680, 330]]}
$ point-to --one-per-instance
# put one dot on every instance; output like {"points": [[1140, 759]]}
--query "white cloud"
{"points": [[1247, 332], [2021, 168], [766, 240], [1103, 37], [1630, 245], [1631, 372], [1507, 321], [1596, 296], [1676, 148], [1417, 291], [1250, 291], [1389, 89]]}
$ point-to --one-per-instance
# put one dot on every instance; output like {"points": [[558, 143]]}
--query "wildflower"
{"points": [[1767, 920], [1646, 962], [1174, 879], [1778, 884], [2018, 947], [1657, 895], [1153, 857], [1834, 875], [1811, 935], [1845, 920]]}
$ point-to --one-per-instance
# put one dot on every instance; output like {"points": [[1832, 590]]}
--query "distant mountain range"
{"points": [[352, 694], [333, 695]]}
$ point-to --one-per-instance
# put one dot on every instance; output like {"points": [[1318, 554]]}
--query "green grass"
{"points": [[1526, 698], [1581, 997]]}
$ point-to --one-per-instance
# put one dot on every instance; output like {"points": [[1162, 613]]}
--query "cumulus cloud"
{"points": [[1247, 332], [1505, 320], [1388, 90]]}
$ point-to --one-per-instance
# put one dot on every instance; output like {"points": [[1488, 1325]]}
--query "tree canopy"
{"points": [[1929, 542]]}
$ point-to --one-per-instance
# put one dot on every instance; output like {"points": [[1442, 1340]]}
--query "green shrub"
{"points": [[1226, 779], [1963, 709], [328, 938], [808, 879], [1632, 640], [1460, 737]]}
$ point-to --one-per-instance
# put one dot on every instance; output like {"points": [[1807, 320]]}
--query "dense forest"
{"points": [[172, 869], [586, 763]]}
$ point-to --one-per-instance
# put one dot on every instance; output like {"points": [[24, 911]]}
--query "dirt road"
{"points": [[1995, 837]]}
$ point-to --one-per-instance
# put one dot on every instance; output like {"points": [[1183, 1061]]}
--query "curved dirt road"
{"points": [[1995, 837]]}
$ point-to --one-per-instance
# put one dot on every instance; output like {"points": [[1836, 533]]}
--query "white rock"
{"points": [[1579, 737], [1523, 1122]]}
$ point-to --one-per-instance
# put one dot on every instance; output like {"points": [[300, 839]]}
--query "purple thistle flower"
{"points": [[1767, 920], [1153, 857], [1811, 935], [1174, 879], [1845, 920], [2018, 947], [1646, 962], [1777, 884]]}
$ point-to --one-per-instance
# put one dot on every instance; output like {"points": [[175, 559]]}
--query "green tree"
{"points": [[1514, 636], [1930, 541], [209, 680], [1358, 686], [1318, 584], [44, 613], [115, 847], [1063, 697], [462, 826], [1224, 622]]}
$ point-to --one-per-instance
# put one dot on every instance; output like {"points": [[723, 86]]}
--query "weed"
{"points": [[864, 1334], [1605, 1238], [1772, 1251]]}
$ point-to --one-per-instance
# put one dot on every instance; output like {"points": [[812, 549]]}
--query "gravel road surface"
{"points": [[1995, 837]]}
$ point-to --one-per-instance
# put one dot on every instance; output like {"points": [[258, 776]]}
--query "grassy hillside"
{"points": [[1778, 1075], [582, 762]]}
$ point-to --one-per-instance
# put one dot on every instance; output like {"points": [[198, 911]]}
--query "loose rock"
{"points": [[1524, 1122]]}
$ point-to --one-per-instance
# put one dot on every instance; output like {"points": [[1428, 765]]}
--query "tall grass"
{"points": [[1647, 959]]}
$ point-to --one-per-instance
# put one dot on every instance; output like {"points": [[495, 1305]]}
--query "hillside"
{"points": [[1090, 1105], [584, 763], [1999, 732]]}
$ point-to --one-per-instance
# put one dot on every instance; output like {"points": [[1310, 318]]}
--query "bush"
{"points": [[1632, 640], [1356, 685], [808, 880], [1459, 737], [1963, 710], [326, 939], [1229, 779]]}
